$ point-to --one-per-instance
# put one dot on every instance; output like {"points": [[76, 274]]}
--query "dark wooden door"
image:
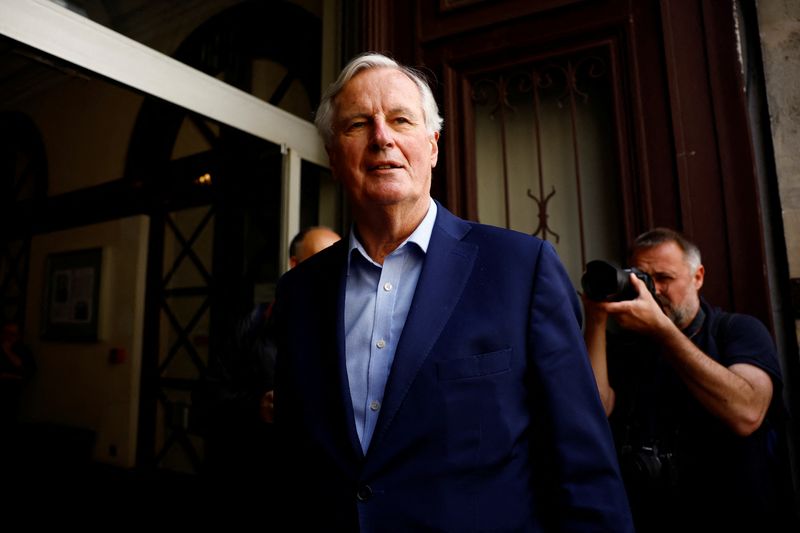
{"points": [[680, 144]]}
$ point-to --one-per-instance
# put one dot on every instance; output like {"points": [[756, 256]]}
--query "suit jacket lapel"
{"points": [[448, 264], [330, 386], [339, 275], [347, 401]]}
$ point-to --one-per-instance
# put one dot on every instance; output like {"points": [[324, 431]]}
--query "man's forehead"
{"points": [[382, 86], [664, 256]]}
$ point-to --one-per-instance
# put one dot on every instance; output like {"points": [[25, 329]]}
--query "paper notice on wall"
{"points": [[71, 299]]}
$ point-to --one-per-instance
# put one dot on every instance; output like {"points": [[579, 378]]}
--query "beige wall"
{"points": [[86, 126], [76, 383], [779, 22]]}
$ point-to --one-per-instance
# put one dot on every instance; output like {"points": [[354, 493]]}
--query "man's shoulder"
{"points": [[505, 235], [723, 323], [484, 233], [742, 338]]}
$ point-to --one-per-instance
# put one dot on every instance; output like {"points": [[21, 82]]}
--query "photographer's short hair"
{"points": [[297, 240], [658, 236], [367, 61]]}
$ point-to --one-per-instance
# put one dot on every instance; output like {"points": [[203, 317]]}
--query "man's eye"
{"points": [[402, 120]]}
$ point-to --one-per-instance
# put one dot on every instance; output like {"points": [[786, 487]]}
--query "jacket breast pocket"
{"points": [[474, 366]]}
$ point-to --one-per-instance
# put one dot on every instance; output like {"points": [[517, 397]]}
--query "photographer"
{"points": [[693, 395]]}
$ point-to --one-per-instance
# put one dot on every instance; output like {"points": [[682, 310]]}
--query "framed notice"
{"points": [[71, 296]]}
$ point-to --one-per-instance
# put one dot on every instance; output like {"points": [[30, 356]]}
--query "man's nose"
{"points": [[381, 135]]}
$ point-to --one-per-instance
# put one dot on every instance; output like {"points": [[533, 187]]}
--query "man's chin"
{"points": [[393, 198], [680, 319]]}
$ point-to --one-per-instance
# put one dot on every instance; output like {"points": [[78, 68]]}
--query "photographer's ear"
{"points": [[698, 277]]}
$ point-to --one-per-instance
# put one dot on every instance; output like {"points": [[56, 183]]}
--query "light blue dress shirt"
{"points": [[377, 301]]}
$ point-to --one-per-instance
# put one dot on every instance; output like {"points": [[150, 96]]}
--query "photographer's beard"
{"points": [[681, 315]]}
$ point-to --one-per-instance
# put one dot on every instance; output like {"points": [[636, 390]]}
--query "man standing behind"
{"points": [[431, 373], [306, 243], [238, 397], [694, 396], [309, 241]]}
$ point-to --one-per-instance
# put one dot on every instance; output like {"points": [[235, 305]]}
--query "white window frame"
{"points": [[58, 31]]}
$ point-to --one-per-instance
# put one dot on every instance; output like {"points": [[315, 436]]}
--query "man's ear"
{"points": [[434, 148], [699, 275]]}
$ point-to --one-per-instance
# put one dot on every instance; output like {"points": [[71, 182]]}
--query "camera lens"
{"points": [[603, 281]]}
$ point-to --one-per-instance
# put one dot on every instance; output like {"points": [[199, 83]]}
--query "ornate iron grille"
{"points": [[543, 131]]}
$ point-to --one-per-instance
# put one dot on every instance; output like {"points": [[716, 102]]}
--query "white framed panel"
{"points": [[57, 31]]}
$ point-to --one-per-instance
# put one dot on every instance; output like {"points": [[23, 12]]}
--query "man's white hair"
{"points": [[370, 60]]}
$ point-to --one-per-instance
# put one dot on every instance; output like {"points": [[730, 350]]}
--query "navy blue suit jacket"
{"points": [[490, 421]]}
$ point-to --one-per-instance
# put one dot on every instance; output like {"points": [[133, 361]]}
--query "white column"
{"points": [[290, 202]]}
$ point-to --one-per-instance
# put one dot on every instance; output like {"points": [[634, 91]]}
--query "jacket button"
{"points": [[364, 493]]}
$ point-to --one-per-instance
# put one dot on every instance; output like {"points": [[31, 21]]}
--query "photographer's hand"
{"points": [[738, 395], [643, 314], [266, 407]]}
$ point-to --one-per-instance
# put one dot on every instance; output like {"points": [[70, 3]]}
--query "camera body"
{"points": [[647, 466], [604, 282]]}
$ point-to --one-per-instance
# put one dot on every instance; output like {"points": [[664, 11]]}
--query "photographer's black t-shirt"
{"points": [[683, 467]]}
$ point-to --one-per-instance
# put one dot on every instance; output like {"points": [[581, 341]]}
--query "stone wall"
{"points": [[779, 24]]}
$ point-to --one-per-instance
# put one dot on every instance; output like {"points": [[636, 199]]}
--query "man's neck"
{"points": [[381, 231], [693, 327]]}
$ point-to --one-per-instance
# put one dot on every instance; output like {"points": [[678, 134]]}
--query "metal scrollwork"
{"points": [[568, 80]]}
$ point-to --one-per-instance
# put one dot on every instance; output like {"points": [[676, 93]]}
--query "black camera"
{"points": [[647, 466], [603, 282]]}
